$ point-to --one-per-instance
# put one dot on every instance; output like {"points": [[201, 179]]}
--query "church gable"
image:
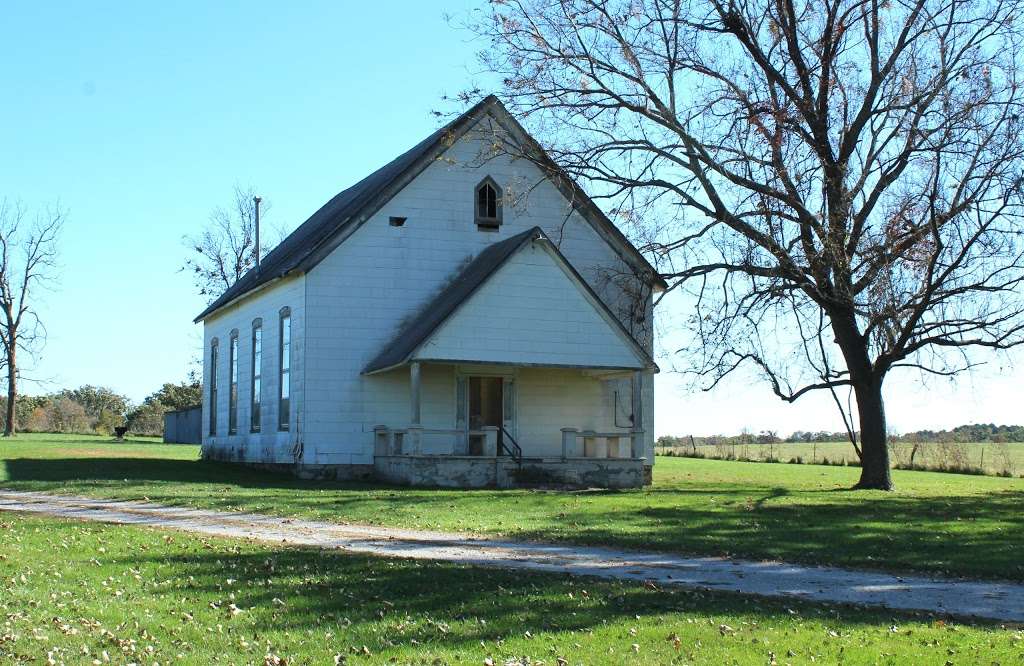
{"points": [[333, 223], [532, 311]]}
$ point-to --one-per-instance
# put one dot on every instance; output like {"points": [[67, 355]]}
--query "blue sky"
{"points": [[139, 118]]}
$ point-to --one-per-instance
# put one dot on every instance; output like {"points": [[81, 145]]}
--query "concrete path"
{"points": [[993, 600]]}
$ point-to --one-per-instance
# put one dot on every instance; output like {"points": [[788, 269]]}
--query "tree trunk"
{"points": [[874, 457], [10, 427], [867, 386]]}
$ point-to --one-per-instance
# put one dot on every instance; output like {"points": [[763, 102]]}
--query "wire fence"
{"points": [[991, 458]]}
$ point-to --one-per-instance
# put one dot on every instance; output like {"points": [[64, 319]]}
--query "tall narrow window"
{"points": [[257, 372], [488, 204], [213, 387], [233, 384], [285, 355]]}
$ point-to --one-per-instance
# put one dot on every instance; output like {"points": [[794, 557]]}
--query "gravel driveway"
{"points": [[992, 600]]}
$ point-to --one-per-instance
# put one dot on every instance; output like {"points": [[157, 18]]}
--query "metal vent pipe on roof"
{"points": [[257, 201]]}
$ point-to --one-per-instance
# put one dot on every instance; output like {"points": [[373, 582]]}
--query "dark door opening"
{"points": [[486, 400]]}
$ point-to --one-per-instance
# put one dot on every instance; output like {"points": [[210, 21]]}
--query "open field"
{"points": [[75, 592], [944, 523], [992, 458]]}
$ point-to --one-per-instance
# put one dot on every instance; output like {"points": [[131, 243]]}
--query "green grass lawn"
{"points": [[943, 523], [84, 593], [990, 457]]}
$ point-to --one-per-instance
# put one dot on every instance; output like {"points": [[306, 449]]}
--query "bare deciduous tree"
{"points": [[836, 185], [28, 254], [226, 248]]}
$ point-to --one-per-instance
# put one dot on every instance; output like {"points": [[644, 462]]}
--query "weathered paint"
{"points": [[481, 472], [531, 312], [269, 445], [357, 298]]}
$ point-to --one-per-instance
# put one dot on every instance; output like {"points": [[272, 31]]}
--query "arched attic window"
{"points": [[488, 204]]}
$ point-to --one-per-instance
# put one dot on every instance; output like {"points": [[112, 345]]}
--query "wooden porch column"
{"points": [[490, 441], [414, 393], [569, 449], [637, 431]]}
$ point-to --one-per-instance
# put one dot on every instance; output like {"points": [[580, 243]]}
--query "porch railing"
{"points": [[576, 443], [510, 446], [410, 439]]}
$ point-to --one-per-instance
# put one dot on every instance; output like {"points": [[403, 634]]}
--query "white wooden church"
{"points": [[463, 316]]}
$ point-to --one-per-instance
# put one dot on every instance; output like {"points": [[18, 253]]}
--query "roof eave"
{"points": [[381, 362], [240, 297]]}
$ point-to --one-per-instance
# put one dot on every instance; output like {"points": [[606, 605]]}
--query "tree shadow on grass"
{"points": [[979, 535], [473, 604], [968, 535], [99, 470]]}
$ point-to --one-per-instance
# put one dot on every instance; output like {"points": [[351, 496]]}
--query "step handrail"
{"points": [[516, 452]]}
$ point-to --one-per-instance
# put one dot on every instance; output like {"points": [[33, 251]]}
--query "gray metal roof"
{"points": [[400, 349], [298, 251], [332, 217], [443, 305]]}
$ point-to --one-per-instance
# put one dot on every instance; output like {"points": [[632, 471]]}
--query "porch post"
{"points": [[414, 393], [490, 441], [637, 431], [380, 440], [569, 443]]}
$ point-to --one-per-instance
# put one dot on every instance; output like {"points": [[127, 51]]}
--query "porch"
{"points": [[548, 383], [495, 408]]}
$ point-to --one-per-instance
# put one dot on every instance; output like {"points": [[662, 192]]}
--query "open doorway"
{"points": [[486, 408]]}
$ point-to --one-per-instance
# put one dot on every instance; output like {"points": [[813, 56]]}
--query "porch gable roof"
{"points": [[429, 323]]}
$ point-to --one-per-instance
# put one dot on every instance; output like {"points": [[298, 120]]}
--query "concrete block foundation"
{"points": [[488, 472], [446, 471]]}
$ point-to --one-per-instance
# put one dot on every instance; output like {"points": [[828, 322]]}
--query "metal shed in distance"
{"points": [[183, 426]]}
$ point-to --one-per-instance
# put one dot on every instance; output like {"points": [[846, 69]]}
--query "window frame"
{"points": [[256, 377], [214, 354], [233, 383], [487, 221], [284, 374]]}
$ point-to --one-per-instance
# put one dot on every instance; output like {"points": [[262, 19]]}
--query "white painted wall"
{"points": [[546, 400], [549, 399], [531, 312], [269, 445], [365, 290]]}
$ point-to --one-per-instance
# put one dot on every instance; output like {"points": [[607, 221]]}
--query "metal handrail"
{"points": [[516, 452]]}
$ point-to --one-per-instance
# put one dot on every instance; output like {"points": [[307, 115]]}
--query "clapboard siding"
{"points": [[269, 445], [357, 298], [531, 312]]}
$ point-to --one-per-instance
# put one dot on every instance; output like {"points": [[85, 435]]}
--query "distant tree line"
{"points": [[763, 437], [98, 410], [962, 434], [979, 432]]}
